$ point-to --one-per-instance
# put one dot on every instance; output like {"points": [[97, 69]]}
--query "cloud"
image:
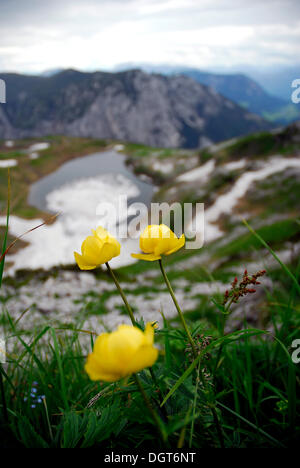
{"points": [[90, 34]]}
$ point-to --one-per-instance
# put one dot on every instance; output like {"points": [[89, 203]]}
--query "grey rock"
{"points": [[152, 109]]}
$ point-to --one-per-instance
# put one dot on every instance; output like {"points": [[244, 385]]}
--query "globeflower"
{"points": [[157, 240], [121, 353], [97, 249]]}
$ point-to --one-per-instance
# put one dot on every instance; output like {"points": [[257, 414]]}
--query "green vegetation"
{"points": [[277, 193], [286, 114], [242, 390], [259, 146], [29, 170], [275, 234]]}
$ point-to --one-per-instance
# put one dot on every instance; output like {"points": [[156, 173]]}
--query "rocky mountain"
{"points": [[165, 111], [239, 88]]}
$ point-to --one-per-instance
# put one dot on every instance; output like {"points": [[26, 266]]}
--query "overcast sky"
{"points": [[37, 35]]}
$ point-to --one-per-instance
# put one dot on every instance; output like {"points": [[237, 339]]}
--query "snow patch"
{"points": [[164, 167], [119, 147], [8, 163], [225, 203], [38, 147], [199, 174], [54, 244], [234, 165]]}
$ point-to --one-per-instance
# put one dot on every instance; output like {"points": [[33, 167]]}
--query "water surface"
{"points": [[107, 162]]}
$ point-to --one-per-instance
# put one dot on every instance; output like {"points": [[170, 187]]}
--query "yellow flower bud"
{"points": [[97, 249], [121, 353], [157, 240]]}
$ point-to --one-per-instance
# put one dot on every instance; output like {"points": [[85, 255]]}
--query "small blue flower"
{"points": [[32, 406], [34, 390]]}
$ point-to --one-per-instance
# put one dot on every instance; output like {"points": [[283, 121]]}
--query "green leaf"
{"points": [[283, 266], [226, 339], [29, 437]]}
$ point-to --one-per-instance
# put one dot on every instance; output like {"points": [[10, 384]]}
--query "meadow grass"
{"points": [[240, 391], [244, 396]]}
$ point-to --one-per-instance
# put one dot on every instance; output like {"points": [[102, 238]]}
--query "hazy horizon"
{"points": [[100, 35]]}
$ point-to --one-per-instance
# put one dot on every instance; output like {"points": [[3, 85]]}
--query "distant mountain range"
{"points": [[275, 80], [240, 89], [157, 110]]}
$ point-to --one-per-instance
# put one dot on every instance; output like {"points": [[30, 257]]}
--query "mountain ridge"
{"points": [[239, 87], [167, 111]]}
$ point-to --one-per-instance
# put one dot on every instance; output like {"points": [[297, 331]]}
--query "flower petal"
{"points": [[120, 353], [149, 257], [95, 371], [109, 250], [123, 344], [149, 332], [178, 245], [149, 238], [145, 356], [91, 250], [101, 233], [83, 265]]}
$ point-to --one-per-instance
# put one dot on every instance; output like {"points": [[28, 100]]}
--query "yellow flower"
{"points": [[121, 353], [157, 240], [97, 249]]}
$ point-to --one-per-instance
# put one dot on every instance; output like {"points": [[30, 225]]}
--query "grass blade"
{"points": [[283, 266], [268, 436], [60, 367], [2, 258], [226, 339]]}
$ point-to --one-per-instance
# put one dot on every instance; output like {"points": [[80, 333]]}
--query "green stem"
{"points": [[178, 309], [220, 350], [5, 413], [218, 426], [129, 310], [195, 403], [153, 413], [47, 418], [159, 392]]}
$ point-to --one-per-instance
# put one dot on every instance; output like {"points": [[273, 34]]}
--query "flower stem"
{"points": [[5, 413], [153, 413], [218, 426], [220, 350], [178, 308], [129, 310]]}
